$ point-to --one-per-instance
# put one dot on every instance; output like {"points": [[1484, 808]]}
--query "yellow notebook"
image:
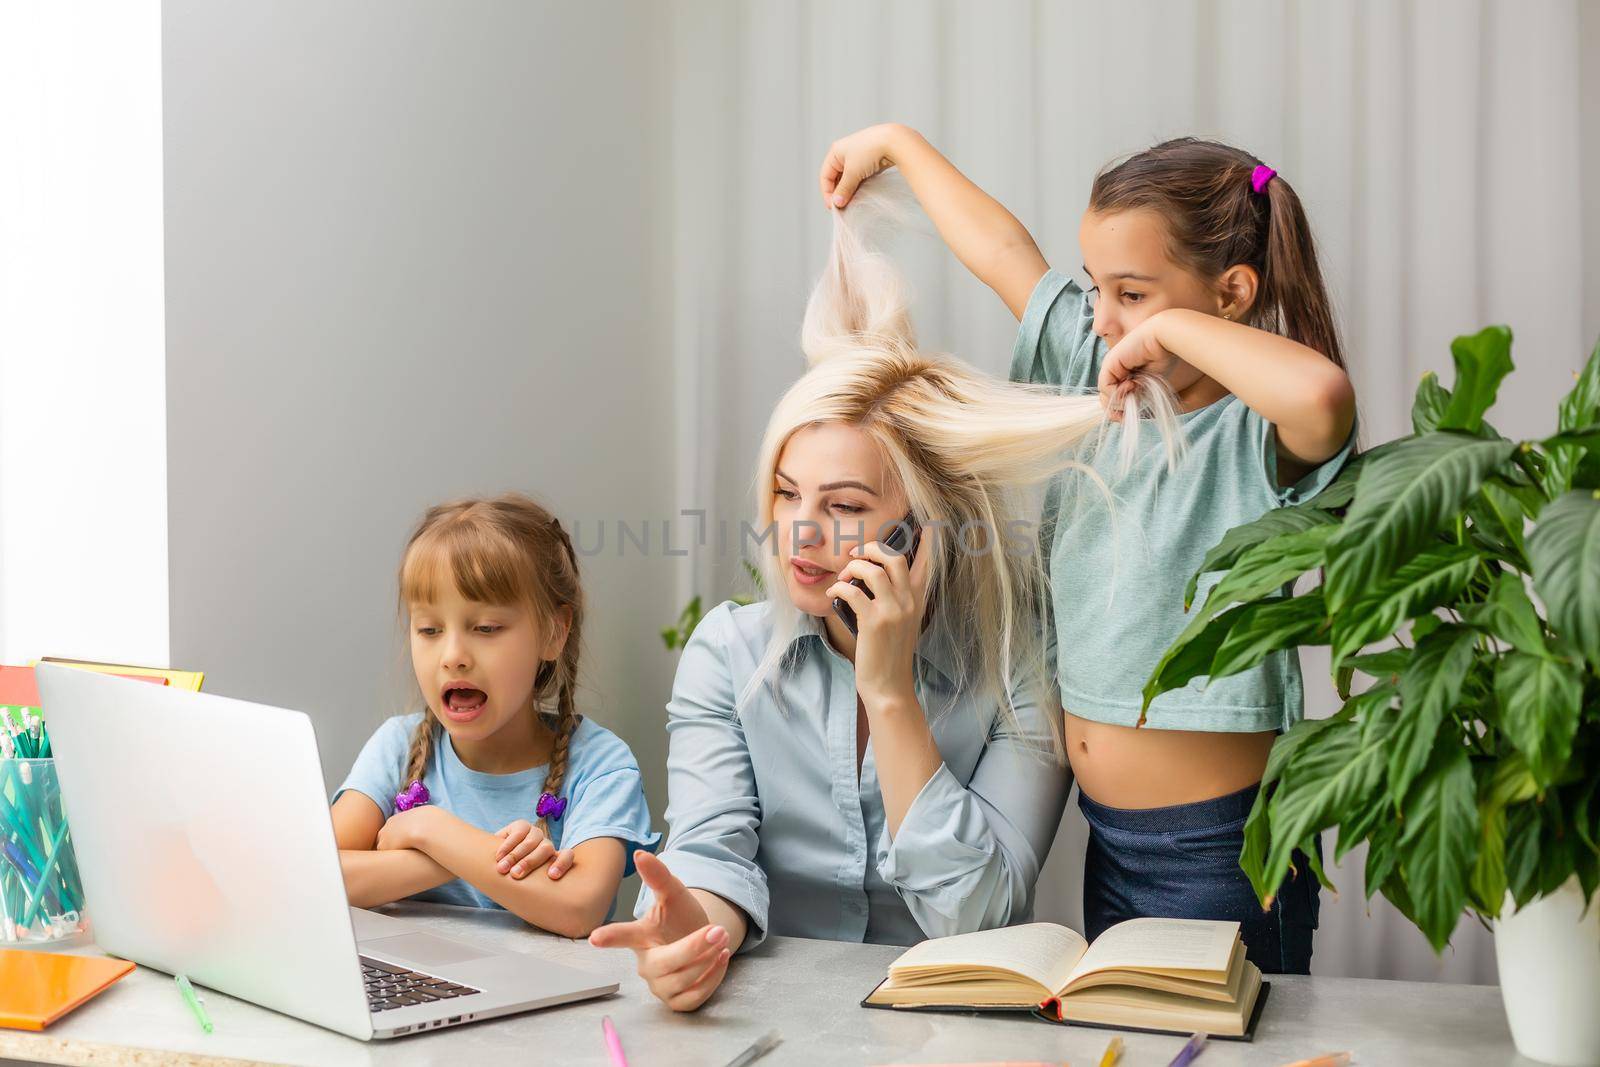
{"points": [[189, 680], [37, 988]]}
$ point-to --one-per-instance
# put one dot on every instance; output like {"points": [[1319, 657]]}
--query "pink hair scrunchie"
{"points": [[1260, 177]]}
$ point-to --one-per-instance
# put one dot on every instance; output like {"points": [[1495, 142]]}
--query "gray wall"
{"points": [[412, 252]]}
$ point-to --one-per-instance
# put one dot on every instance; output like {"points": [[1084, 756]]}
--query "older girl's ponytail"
{"points": [[1291, 281]]}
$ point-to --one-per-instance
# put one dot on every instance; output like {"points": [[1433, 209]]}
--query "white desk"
{"points": [[807, 990]]}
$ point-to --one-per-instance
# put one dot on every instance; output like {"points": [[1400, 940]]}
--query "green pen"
{"points": [[195, 1006]]}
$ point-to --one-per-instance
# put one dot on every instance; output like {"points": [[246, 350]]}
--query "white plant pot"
{"points": [[1549, 959]]}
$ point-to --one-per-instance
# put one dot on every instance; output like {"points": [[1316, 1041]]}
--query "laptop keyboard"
{"points": [[391, 987]]}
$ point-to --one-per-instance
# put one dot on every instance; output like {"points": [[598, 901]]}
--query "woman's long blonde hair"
{"points": [[506, 550], [970, 451]]}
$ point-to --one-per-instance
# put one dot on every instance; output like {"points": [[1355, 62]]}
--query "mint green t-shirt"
{"points": [[1118, 580]]}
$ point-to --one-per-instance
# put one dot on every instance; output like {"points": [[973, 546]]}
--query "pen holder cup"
{"points": [[41, 891]]}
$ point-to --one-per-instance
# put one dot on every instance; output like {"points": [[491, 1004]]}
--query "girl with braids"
{"points": [[1201, 268], [498, 776], [901, 778]]}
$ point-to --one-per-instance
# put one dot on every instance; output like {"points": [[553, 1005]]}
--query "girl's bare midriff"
{"points": [[1124, 767]]}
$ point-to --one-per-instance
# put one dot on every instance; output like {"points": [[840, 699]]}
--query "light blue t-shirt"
{"points": [[1118, 580], [604, 791]]}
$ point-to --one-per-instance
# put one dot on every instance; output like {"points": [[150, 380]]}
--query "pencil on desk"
{"points": [[1189, 1051], [193, 1001], [1113, 1052], [764, 1044], [1330, 1059], [613, 1043]]}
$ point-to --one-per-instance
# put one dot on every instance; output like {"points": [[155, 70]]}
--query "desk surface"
{"points": [[807, 990]]}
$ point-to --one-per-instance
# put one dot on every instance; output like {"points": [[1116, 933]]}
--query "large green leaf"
{"points": [[1489, 880], [1383, 855], [1565, 551], [1508, 783], [1342, 490], [1378, 721], [1429, 688], [1402, 499], [1385, 664], [1482, 361], [1429, 579], [1586, 814], [1498, 514], [1265, 569], [1584, 437], [1256, 837], [1429, 405], [1581, 407], [1524, 833], [1438, 846], [1511, 783], [1237, 541], [1541, 851], [1573, 457], [1557, 852], [1189, 657], [1268, 626], [1540, 699], [1509, 615], [1332, 775], [1237, 640]]}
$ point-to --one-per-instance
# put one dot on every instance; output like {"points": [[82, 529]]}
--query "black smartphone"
{"points": [[902, 539]]}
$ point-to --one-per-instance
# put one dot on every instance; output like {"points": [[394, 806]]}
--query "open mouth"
{"points": [[462, 701], [808, 573]]}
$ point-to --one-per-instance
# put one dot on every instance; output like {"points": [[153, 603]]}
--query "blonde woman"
{"points": [[904, 779]]}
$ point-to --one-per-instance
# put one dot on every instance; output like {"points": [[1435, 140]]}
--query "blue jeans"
{"points": [[1183, 862]]}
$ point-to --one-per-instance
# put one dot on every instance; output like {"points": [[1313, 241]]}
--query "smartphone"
{"points": [[902, 539]]}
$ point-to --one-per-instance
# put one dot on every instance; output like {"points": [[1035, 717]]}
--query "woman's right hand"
{"points": [[852, 160], [681, 955]]}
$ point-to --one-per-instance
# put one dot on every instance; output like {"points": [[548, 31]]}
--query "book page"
{"points": [[1042, 952], [1162, 945]]}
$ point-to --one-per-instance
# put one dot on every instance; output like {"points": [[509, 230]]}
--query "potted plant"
{"points": [[1461, 582]]}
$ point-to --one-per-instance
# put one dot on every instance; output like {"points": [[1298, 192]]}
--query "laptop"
{"points": [[203, 835]]}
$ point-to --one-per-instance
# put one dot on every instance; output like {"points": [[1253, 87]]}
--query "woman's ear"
{"points": [[1237, 288], [560, 627]]}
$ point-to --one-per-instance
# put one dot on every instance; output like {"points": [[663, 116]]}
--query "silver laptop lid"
{"points": [[205, 842]]}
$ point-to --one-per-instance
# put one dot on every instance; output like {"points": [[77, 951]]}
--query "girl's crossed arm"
{"points": [[372, 877], [378, 870], [571, 907]]}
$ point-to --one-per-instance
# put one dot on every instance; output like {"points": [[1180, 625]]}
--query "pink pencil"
{"points": [[613, 1043]]}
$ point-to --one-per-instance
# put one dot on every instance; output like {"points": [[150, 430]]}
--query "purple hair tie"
{"points": [[412, 796], [550, 806], [1260, 177]]}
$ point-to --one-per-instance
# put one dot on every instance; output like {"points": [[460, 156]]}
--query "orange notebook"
{"points": [[37, 988]]}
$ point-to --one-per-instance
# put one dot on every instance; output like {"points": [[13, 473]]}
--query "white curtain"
{"points": [[1437, 144]]}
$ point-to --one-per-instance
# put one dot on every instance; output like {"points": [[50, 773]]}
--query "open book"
{"points": [[1179, 975]]}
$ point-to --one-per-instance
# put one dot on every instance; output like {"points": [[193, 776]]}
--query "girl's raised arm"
{"points": [[987, 238]]}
